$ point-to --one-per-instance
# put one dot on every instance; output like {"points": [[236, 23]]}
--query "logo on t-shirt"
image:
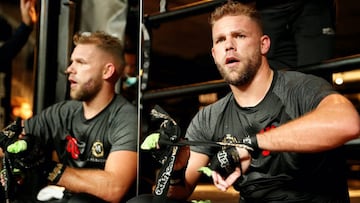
{"points": [[97, 149]]}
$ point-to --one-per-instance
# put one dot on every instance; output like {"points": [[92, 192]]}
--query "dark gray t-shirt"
{"points": [[81, 142], [274, 176]]}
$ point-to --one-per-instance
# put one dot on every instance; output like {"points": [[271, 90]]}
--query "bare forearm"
{"points": [[96, 182], [332, 124]]}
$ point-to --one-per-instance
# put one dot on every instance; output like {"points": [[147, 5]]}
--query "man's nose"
{"points": [[69, 69], [230, 44]]}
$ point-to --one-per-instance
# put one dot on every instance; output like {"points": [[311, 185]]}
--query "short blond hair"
{"points": [[105, 42], [232, 8]]}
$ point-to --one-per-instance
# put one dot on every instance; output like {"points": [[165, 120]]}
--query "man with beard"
{"points": [[291, 125], [85, 146]]}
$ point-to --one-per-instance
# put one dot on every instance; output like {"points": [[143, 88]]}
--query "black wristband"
{"points": [[225, 161], [178, 177], [56, 173], [251, 141]]}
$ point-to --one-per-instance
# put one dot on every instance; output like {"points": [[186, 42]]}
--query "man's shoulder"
{"points": [[121, 106], [121, 103], [218, 106], [299, 79], [296, 75], [290, 73], [65, 105]]}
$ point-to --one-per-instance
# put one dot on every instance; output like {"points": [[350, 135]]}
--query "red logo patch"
{"points": [[72, 147]]}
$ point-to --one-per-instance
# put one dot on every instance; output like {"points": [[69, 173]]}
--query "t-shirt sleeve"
{"points": [[202, 126], [49, 121], [124, 125], [309, 91]]}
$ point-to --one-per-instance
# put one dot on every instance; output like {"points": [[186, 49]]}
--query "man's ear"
{"points": [[265, 44], [213, 53], [109, 70]]}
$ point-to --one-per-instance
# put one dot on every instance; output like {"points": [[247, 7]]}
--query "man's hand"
{"points": [[26, 152], [223, 184], [222, 180], [159, 142], [10, 134], [28, 12], [225, 161]]}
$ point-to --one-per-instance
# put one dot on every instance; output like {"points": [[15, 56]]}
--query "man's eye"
{"points": [[240, 36], [220, 40]]}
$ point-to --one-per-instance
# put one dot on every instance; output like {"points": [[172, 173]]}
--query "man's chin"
{"points": [[73, 96]]}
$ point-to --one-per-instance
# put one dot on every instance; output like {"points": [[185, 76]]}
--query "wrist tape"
{"points": [[56, 173], [251, 141]]}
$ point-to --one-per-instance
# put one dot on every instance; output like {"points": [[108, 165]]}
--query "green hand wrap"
{"points": [[206, 170], [150, 141], [18, 146]]}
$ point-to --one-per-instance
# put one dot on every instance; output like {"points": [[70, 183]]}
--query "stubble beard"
{"points": [[242, 74], [85, 92]]}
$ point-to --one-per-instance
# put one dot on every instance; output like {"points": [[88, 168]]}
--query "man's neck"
{"points": [[253, 93], [95, 106]]}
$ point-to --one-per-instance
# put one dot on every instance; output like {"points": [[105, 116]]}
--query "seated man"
{"points": [[86, 145], [287, 128]]}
